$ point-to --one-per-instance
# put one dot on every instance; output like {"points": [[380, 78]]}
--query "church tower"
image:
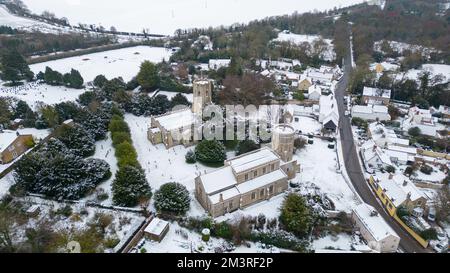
{"points": [[202, 95]]}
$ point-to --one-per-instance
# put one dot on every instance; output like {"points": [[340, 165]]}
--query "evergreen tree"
{"points": [[246, 146], [172, 198], [77, 140], [14, 67], [100, 81], [148, 77], [179, 99], [130, 187], [210, 152], [57, 173], [295, 215]]}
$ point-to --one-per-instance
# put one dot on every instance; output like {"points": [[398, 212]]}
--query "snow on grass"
{"points": [[437, 176], [123, 62], [340, 242], [306, 125], [164, 17], [5, 183], [162, 165], [434, 69], [318, 166], [25, 24], [35, 94], [181, 240], [299, 39], [105, 151]]}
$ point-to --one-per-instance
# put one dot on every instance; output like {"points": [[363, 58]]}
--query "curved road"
{"points": [[407, 243]]}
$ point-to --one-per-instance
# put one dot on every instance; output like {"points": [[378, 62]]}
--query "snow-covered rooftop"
{"points": [[227, 194], [6, 139], [218, 180], [156, 227], [376, 92], [261, 181], [374, 223], [176, 120], [252, 160], [398, 188]]}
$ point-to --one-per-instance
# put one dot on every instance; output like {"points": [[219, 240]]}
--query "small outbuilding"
{"points": [[156, 230]]}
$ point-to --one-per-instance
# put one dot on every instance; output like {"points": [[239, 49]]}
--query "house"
{"points": [[371, 112], [383, 136], [328, 113], [374, 157], [156, 230], [396, 191], [376, 96], [304, 83], [378, 234], [314, 92], [178, 127], [250, 178], [320, 77], [424, 120], [13, 145], [216, 64]]}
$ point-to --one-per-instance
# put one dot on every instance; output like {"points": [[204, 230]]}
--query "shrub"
{"points": [[426, 169], [222, 230], [390, 169], [126, 155], [281, 239], [117, 124], [210, 152], [172, 198], [65, 211], [429, 234], [414, 131], [300, 143], [120, 137], [190, 157]]}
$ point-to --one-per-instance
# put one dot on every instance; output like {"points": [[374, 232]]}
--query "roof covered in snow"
{"points": [[156, 227], [261, 181], [251, 160], [176, 120], [398, 188], [373, 222], [376, 92], [218, 180], [6, 139]]}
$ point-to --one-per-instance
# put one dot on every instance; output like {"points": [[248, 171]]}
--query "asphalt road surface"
{"points": [[407, 243]]}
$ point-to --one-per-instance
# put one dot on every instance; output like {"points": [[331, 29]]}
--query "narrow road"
{"points": [[407, 243]]}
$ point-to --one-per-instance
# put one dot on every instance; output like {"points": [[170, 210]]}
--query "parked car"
{"points": [[440, 247], [441, 234], [432, 214]]}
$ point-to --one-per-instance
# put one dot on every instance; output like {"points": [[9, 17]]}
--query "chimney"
{"points": [[405, 183], [391, 175], [221, 197], [408, 197]]}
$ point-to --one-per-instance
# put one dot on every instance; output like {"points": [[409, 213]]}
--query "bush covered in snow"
{"points": [[172, 198], [210, 152], [57, 172], [190, 157], [77, 139], [281, 239], [130, 187]]}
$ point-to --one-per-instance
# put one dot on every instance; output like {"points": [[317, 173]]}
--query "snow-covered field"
{"points": [[306, 125], [36, 94], [105, 151], [318, 168], [8, 19], [299, 39], [162, 165], [434, 69], [164, 17], [123, 62]]}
